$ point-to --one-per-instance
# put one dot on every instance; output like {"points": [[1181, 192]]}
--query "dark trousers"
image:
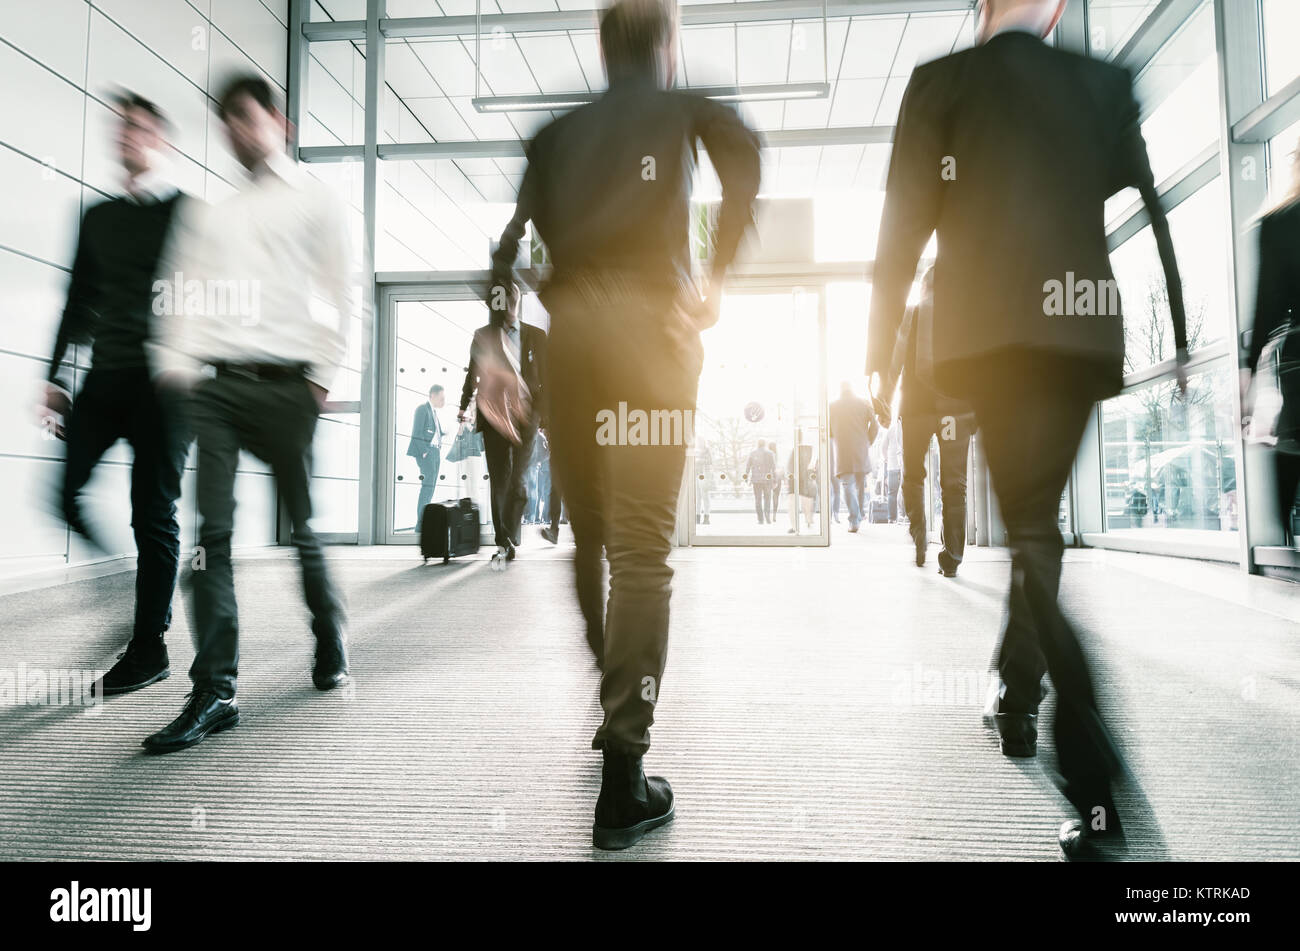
{"points": [[620, 498], [1031, 434], [275, 421], [507, 466], [953, 453], [123, 404], [1288, 480], [429, 465], [762, 500]]}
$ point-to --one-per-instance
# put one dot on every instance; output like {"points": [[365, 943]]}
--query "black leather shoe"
{"points": [[510, 553], [1080, 845], [144, 662], [920, 554], [331, 667], [204, 713], [550, 536], [1018, 733], [630, 804], [947, 567]]}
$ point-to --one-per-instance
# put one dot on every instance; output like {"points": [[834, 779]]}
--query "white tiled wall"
{"points": [[60, 61]]}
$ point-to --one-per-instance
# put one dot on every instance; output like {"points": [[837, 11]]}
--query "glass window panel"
{"points": [[1171, 463], [1112, 23], [334, 106], [1281, 54], [1174, 90], [1281, 161], [1199, 227]]}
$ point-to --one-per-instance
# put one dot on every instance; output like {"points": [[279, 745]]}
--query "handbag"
{"points": [[467, 443], [1274, 423]]}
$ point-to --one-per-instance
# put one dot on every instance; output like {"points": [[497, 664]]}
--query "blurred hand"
{"points": [[1180, 373], [53, 407], [173, 383], [1247, 396]]}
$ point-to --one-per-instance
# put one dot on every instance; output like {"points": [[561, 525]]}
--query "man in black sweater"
{"points": [[110, 303], [1008, 151]]}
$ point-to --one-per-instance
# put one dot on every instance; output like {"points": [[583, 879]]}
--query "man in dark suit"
{"points": [[1009, 151], [760, 469], [110, 303], [425, 446], [853, 430], [608, 191], [505, 377], [924, 415]]}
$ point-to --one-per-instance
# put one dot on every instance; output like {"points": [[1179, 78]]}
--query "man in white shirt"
{"points": [[238, 299]]}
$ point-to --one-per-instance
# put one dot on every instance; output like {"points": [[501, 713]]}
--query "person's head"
{"points": [[772, 445], [255, 126], [638, 39], [846, 388], [1039, 15], [437, 397], [140, 131]]}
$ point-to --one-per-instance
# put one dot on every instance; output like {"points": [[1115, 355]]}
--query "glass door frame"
{"points": [[686, 533], [446, 287]]}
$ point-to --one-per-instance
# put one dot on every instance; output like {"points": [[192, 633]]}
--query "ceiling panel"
{"points": [[807, 113], [441, 118], [553, 62], [807, 63], [927, 37], [871, 48], [449, 63], [856, 102], [504, 67], [764, 53], [710, 55]]}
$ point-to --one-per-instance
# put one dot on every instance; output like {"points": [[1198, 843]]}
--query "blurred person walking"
{"points": [[608, 189]]}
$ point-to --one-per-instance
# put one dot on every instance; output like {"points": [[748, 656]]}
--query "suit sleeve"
{"points": [[1136, 171], [1270, 308], [913, 196], [734, 151], [471, 375], [503, 258], [78, 323]]}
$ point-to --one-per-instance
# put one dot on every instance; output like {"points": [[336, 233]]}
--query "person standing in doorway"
{"points": [[425, 446]]}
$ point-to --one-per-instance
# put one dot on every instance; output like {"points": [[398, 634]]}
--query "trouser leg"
{"points": [[282, 427], [214, 414], [1288, 479], [159, 438], [94, 424], [496, 448], [516, 495], [429, 467], [953, 456], [917, 430], [1031, 440]]}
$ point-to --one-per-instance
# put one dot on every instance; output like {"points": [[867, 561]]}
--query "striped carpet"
{"points": [[818, 704]]}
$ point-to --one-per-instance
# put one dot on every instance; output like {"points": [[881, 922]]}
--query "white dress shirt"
{"points": [[247, 278]]}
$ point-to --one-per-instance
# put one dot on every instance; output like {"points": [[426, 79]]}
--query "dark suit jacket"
{"points": [[426, 433], [1278, 294], [1033, 140], [532, 366], [853, 429]]}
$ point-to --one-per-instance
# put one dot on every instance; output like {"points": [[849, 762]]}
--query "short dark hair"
{"points": [[126, 99], [633, 31], [250, 85], [436, 388]]}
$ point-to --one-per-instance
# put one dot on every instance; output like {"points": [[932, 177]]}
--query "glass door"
{"points": [[757, 472]]}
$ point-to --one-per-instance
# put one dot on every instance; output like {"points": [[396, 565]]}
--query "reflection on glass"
{"points": [[1174, 89], [1112, 23], [432, 347], [1171, 463], [1199, 229], [759, 399]]}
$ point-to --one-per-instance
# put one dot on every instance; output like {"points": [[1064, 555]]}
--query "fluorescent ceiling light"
{"points": [[561, 101]]}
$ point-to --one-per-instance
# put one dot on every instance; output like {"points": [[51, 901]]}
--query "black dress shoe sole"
{"points": [[329, 683], [613, 840], [228, 722], [128, 688], [1078, 847], [1019, 750]]}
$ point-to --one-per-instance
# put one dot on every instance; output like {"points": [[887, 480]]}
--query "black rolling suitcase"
{"points": [[449, 528]]}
